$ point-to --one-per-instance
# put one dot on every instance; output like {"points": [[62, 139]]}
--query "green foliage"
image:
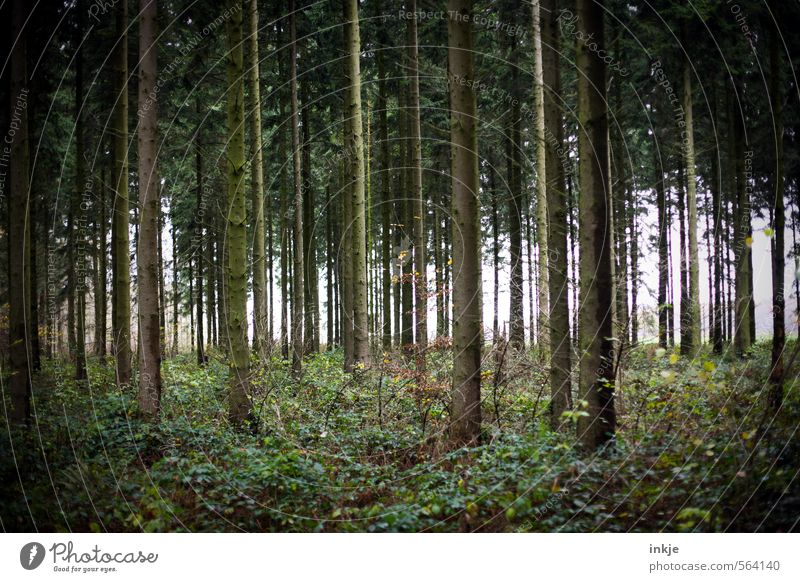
{"points": [[694, 453]]}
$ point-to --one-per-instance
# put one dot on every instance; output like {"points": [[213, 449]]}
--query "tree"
{"points": [[236, 214], [542, 171], [595, 329], [779, 218], [420, 269], [297, 290], [690, 341], [556, 194], [120, 246], [19, 235], [77, 267], [467, 336], [150, 204], [742, 238], [355, 145], [260, 327]]}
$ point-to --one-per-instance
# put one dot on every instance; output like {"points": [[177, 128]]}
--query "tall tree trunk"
{"points": [[495, 253], [778, 250], [297, 291], [257, 187], [596, 270], [236, 232], [516, 200], [556, 195], [150, 204], [102, 265], [120, 247], [405, 258], [310, 232], [361, 355], [683, 279], [386, 192], [284, 236], [175, 292], [19, 234], [420, 269], [467, 336], [78, 233], [542, 171], [742, 337], [198, 251], [690, 341], [715, 185]]}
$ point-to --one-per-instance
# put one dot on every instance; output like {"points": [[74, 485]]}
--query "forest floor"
{"points": [[368, 452]]}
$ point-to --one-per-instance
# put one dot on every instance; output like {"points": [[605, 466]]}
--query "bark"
{"points": [[386, 192], [405, 254], [198, 250], [690, 341], [467, 294], [420, 269], [516, 200], [120, 246], [260, 327], [663, 251], [102, 265], [236, 229], [175, 293], [78, 231], [742, 337], [595, 225], [779, 226], [149, 201], [361, 355], [310, 233], [19, 235], [284, 236], [715, 184], [542, 171], [558, 286], [297, 282]]}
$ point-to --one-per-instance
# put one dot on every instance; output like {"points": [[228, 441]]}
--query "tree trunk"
{"points": [[198, 251], [102, 265], [78, 233], [596, 271], [742, 337], [663, 256], [19, 235], [236, 229], [297, 291], [257, 188], [542, 171], [386, 192], [778, 250], [691, 340], [150, 204], [310, 233], [420, 269], [120, 248], [467, 336], [556, 156], [361, 355]]}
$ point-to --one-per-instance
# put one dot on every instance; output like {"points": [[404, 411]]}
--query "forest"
{"points": [[400, 266]]}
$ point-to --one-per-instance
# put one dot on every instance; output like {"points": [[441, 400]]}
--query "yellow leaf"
{"points": [[673, 358], [709, 366], [769, 232], [749, 241]]}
